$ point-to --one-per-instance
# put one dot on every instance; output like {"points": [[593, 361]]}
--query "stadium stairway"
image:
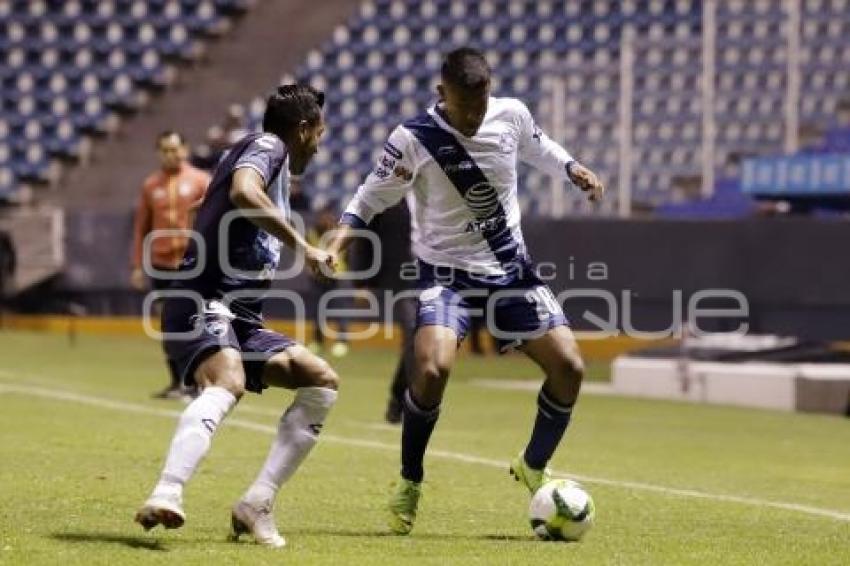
{"points": [[270, 38]]}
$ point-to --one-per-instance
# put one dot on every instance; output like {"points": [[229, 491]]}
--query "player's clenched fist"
{"points": [[320, 261], [586, 180]]}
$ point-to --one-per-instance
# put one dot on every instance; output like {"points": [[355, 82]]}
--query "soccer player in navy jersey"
{"points": [[458, 161], [212, 318]]}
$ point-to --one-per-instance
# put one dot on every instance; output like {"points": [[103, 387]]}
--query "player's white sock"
{"points": [[297, 433], [192, 438]]}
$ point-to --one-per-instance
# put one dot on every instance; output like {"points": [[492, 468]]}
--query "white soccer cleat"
{"points": [[257, 520], [162, 509]]}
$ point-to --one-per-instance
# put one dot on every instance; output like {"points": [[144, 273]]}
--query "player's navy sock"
{"points": [[417, 426], [399, 384], [549, 426]]}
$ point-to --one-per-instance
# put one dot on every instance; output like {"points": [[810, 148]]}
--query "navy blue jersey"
{"points": [[238, 256]]}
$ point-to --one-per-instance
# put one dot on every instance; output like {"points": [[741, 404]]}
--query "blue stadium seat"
{"points": [[91, 116], [8, 183], [31, 163], [175, 40], [65, 140], [380, 67], [149, 70], [121, 94], [205, 19], [143, 38]]}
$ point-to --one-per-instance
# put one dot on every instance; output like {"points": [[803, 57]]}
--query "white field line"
{"points": [[103, 403], [587, 387]]}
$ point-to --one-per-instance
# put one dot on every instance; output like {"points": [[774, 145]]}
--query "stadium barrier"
{"points": [[130, 326], [817, 388]]}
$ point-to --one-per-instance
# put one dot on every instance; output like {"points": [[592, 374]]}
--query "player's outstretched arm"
{"points": [[247, 192], [384, 187], [344, 233], [340, 240], [546, 155]]}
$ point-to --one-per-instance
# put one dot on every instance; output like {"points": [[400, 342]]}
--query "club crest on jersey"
{"points": [[482, 200], [403, 173], [215, 318], [212, 325], [507, 143]]}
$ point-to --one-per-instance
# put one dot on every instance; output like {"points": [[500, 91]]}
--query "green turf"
{"points": [[72, 475]]}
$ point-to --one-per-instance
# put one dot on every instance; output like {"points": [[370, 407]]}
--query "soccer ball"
{"points": [[561, 510]]}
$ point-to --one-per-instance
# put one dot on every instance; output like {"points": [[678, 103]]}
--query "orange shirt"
{"points": [[167, 202]]}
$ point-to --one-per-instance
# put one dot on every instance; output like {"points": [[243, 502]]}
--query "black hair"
{"points": [[289, 105], [167, 134], [465, 67]]}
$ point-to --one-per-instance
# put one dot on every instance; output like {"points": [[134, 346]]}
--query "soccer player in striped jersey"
{"points": [[459, 161]]}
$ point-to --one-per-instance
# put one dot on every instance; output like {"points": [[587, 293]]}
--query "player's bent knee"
{"points": [[234, 384], [569, 369], [435, 373], [327, 378], [317, 372], [575, 368], [572, 362]]}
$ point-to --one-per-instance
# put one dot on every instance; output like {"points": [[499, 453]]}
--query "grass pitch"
{"points": [[81, 445]]}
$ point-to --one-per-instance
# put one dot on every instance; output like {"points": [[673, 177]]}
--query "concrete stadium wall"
{"points": [[792, 271]]}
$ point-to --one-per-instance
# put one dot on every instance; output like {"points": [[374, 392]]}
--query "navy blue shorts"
{"points": [[163, 283], [515, 308], [192, 336]]}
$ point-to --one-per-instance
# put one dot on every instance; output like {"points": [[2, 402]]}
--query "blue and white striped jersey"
{"points": [[465, 212]]}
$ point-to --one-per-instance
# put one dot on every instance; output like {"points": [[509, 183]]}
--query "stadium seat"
{"points": [[31, 163], [204, 19], [63, 64], [75, 60]]}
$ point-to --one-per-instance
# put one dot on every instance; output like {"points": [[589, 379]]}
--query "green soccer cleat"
{"points": [[403, 506], [532, 478]]}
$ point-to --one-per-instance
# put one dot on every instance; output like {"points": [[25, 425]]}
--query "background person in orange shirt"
{"points": [[168, 199]]}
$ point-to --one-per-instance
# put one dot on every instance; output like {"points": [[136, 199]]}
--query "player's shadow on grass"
{"points": [[126, 540], [424, 536]]}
